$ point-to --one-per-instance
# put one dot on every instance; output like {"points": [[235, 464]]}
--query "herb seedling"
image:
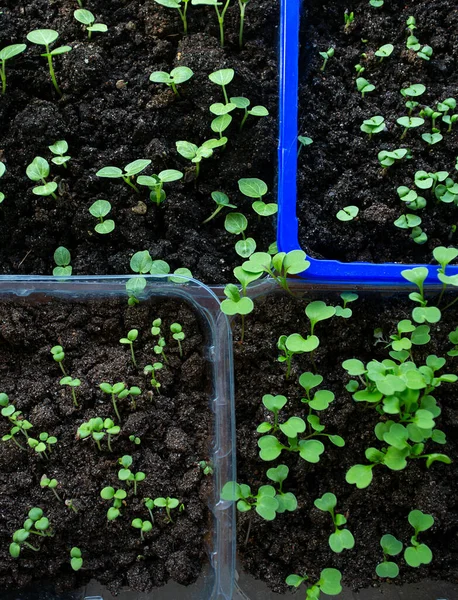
{"points": [[76, 560], [72, 384], [223, 77], [108, 493], [329, 583], [432, 138], [151, 370], [97, 428], [114, 390], [391, 547], [220, 13], [58, 355], [135, 440], [178, 335], [384, 51], [326, 56], [133, 392], [38, 170], [257, 189], [348, 19], [422, 313], [125, 474], [99, 210], [71, 505], [279, 267], [341, 539], [264, 502], [255, 111], [156, 182], [132, 335], [388, 158], [130, 170], [62, 258], [242, 6], [236, 223], [37, 524], [413, 91], [172, 79], [377, 3], [161, 344], [373, 125], [181, 8], [287, 501], [196, 153], [418, 554], [444, 257], [364, 86], [59, 149], [409, 123], [46, 37], [426, 181], [303, 142], [45, 482], [143, 526], [5, 54], [168, 504], [88, 20], [348, 213], [359, 69], [425, 53], [222, 201], [207, 467], [236, 304]]}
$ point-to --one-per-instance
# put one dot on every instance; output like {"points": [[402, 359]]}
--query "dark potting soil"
{"points": [[341, 167], [175, 429], [297, 542], [111, 114]]}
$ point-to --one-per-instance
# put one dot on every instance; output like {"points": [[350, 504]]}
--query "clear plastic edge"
{"points": [[323, 271], [207, 305]]}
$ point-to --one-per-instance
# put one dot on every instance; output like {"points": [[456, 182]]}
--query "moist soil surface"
{"points": [[341, 167], [175, 429], [297, 542], [111, 114]]}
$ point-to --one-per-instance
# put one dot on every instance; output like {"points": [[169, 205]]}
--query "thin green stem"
{"points": [[129, 182], [245, 117], [183, 17], [74, 397], [56, 495], [30, 546], [226, 99], [115, 407], [3, 76], [109, 443], [51, 71], [451, 303], [17, 443], [242, 22], [213, 215], [197, 169], [62, 369], [133, 355], [174, 88]]}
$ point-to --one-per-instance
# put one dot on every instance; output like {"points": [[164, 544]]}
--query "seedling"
{"points": [[411, 24], [388, 158], [151, 370], [161, 344], [143, 526], [418, 554], [99, 210], [207, 467], [114, 390], [348, 213], [422, 313], [46, 37], [348, 19], [76, 560], [359, 69], [88, 20], [341, 539], [168, 504], [156, 182], [178, 335], [72, 384], [149, 505], [52, 484], [109, 493], [133, 392], [450, 120], [181, 8], [364, 86], [236, 304], [426, 181], [242, 6], [220, 13], [256, 188], [412, 43], [62, 258], [413, 91], [425, 53], [391, 547], [59, 149], [5, 54], [132, 335], [130, 170], [222, 201], [384, 51], [97, 428], [243, 104], [264, 502], [409, 123], [373, 125], [287, 501], [444, 257], [279, 267], [343, 311], [236, 223], [172, 79], [326, 56], [38, 170], [37, 524], [303, 142], [432, 138], [196, 153], [223, 77], [135, 440], [329, 583], [294, 344], [58, 355], [71, 505], [125, 474], [453, 337], [376, 3], [2, 172]]}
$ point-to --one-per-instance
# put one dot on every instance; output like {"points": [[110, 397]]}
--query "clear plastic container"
{"points": [[216, 581]]}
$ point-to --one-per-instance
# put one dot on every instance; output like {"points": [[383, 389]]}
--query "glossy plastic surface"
{"points": [[216, 582], [326, 271]]}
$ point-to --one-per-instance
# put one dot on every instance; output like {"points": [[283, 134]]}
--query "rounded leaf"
{"points": [[100, 208], [235, 223], [253, 187], [222, 77], [43, 37], [9, 51]]}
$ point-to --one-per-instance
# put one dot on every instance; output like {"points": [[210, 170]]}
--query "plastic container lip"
{"points": [[219, 353], [326, 271]]}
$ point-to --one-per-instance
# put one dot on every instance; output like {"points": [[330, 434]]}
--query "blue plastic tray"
{"points": [[326, 271]]}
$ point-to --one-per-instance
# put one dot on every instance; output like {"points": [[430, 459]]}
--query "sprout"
{"points": [[149, 505], [178, 6], [426, 181], [172, 79], [411, 198], [144, 526], [5, 54], [279, 267], [87, 18], [359, 69], [329, 583], [207, 467], [114, 390], [109, 493], [151, 370], [236, 223], [348, 19], [341, 539], [413, 91], [432, 138], [100, 209], [384, 51], [72, 383], [59, 149], [168, 504], [37, 524], [388, 158], [287, 501], [425, 53], [62, 259], [130, 170], [223, 77], [348, 213], [411, 23], [364, 86], [178, 335], [303, 142], [161, 344], [376, 3], [58, 355], [76, 561], [391, 547], [242, 6], [418, 554], [265, 502], [45, 482], [256, 188], [235, 304], [220, 13], [45, 37], [373, 125], [243, 104], [132, 335], [195, 153], [409, 123], [125, 474], [326, 56], [38, 170], [135, 440], [155, 183], [222, 201]]}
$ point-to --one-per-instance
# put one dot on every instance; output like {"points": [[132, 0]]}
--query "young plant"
{"points": [[58, 355], [196, 153], [287, 501], [279, 267], [388, 158], [418, 554], [62, 258], [88, 20], [5, 54], [114, 390], [178, 335], [409, 123], [151, 370], [326, 56], [377, 3], [222, 201], [207, 467], [236, 223], [130, 170], [384, 51], [161, 344], [432, 138], [135, 440], [168, 504], [294, 344], [341, 539], [426, 181], [257, 189], [422, 313], [38, 170], [172, 79], [109, 493], [59, 149], [220, 13], [181, 6], [155, 183], [46, 37], [72, 384], [125, 474], [99, 210], [37, 524], [329, 583], [132, 335], [143, 526], [348, 19], [52, 484], [364, 86], [236, 304], [264, 502], [391, 547], [303, 142], [347, 213], [76, 560], [97, 428], [243, 104], [242, 6], [223, 77], [373, 125]]}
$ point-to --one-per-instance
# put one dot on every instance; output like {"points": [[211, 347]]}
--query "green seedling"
{"points": [[149, 505], [341, 539], [88, 20], [243, 104], [294, 344], [236, 223], [279, 267], [426, 181], [135, 440], [343, 311], [46, 37], [444, 256], [59, 149], [132, 335], [220, 13], [109, 493], [58, 355], [373, 125], [453, 337], [359, 69], [422, 313], [97, 428], [156, 182], [388, 158], [384, 51], [71, 505], [447, 192], [196, 153], [391, 547], [222, 201], [178, 335], [181, 6], [52, 484], [36, 524], [431, 114], [161, 343], [2, 172], [432, 138], [114, 390], [418, 235], [130, 171], [38, 170], [418, 554], [99, 210], [62, 258], [236, 304], [411, 24], [347, 213], [143, 526], [413, 91], [76, 560], [257, 189], [151, 370], [409, 123], [425, 53], [5, 54], [223, 77], [412, 43], [287, 501], [303, 142], [364, 86], [450, 120], [133, 392], [11, 436], [377, 3], [264, 502], [16, 419], [326, 56], [172, 79], [329, 583], [168, 504], [408, 221], [242, 5], [348, 19], [125, 474], [72, 384], [206, 466]]}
